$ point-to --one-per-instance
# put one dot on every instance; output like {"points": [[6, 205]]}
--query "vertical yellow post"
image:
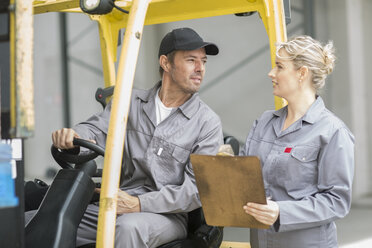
{"points": [[118, 122], [21, 69], [274, 21], [109, 26], [107, 50]]}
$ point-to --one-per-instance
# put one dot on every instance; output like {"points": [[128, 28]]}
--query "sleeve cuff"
{"points": [[143, 203]]}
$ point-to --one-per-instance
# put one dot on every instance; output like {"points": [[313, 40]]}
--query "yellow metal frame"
{"points": [[163, 11], [118, 122], [22, 117], [228, 244], [276, 30], [147, 12]]}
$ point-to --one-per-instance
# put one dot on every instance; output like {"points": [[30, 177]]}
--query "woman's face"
{"points": [[284, 76]]}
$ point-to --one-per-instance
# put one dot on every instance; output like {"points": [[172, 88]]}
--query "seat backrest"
{"points": [[231, 140], [196, 219]]}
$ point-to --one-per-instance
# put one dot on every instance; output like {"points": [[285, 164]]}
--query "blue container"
{"points": [[7, 188]]}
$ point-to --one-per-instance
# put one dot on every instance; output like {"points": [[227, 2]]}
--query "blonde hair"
{"points": [[305, 51]]}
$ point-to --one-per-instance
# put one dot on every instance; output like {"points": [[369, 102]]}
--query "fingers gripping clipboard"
{"points": [[225, 185]]}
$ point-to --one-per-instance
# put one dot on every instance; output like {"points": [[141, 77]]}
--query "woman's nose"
{"points": [[271, 73]]}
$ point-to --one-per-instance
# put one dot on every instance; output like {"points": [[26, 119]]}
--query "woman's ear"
{"points": [[163, 62], [304, 72]]}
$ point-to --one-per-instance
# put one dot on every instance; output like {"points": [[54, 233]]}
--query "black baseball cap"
{"points": [[185, 39]]}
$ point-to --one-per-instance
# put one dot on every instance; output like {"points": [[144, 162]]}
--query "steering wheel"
{"points": [[65, 159]]}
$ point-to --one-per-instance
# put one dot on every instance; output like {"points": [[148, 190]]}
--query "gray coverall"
{"points": [[156, 168], [308, 170]]}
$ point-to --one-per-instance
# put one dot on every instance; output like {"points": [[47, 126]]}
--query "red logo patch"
{"points": [[288, 149]]}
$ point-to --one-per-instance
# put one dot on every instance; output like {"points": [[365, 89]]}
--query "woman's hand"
{"points": [[266, 214]]}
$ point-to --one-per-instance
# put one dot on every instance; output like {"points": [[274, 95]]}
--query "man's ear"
{"points": [[164, 63]]}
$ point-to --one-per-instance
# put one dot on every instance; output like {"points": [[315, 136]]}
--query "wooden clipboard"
{"points": [[226, 184]]}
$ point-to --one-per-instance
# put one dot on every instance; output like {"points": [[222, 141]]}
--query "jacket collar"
{"points": [[311, 115], [188, 109]]}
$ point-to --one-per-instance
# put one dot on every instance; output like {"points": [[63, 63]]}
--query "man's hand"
{"points": [[225, 150], [266, 214], [126, 203], [63, 138]]}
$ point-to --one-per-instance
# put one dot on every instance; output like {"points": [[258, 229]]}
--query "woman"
{"points": [[307, 153]]}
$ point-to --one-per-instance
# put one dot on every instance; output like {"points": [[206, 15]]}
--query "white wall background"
{"points": [[235, 86]]}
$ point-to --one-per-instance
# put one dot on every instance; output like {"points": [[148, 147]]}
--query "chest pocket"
{"points": [[305, 154], [302, 171], [181, 155], [170, 164]]}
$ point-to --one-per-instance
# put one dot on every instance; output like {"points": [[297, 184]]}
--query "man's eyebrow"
{"points": [[195, 57], [190, 56]]}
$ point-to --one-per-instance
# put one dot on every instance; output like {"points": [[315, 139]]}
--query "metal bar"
{"points": [[118, 122], [55, 6], [230, 244], [308, 12], [65, 70], [178, 10], [109, 26], [12, 65], [108, 32], [22, 88], [274, 22], [359, 101]]}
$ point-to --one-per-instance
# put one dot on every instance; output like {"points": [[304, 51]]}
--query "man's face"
{"points": [[187, 70]]}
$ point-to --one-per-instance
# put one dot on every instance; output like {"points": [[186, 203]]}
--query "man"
{"points": [[165, 125]]}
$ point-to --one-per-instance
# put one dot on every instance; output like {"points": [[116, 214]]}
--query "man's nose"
{"points": [[199, 66]]}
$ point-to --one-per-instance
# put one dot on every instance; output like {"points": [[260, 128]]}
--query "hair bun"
{"points": [[329, 57], [305, 51]]}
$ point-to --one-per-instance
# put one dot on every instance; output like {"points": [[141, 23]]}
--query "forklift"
{"points": [[111, 16]]}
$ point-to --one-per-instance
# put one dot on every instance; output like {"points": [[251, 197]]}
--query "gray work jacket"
{"points": [[156, 163], [308, 170]]}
